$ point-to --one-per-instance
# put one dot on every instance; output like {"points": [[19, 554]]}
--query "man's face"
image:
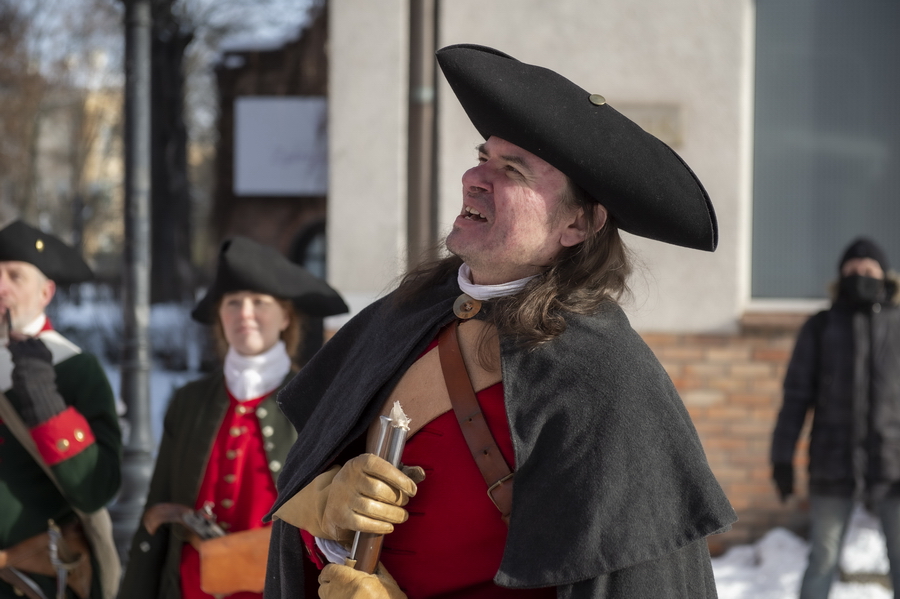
{"points": [[866, 267], [512, 224], [24, 291]]}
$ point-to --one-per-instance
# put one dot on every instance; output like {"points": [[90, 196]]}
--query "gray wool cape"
{"points": [[613, 494]]}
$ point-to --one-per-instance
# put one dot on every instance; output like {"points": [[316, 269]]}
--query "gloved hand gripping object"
{"points": [[366, 494], [343, 582], [34, 382]]}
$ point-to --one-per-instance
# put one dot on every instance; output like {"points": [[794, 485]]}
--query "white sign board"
{"points": [[280, 146]]}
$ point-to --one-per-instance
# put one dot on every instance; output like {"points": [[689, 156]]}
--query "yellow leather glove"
{"points": [[365, 494], [343, 582]]}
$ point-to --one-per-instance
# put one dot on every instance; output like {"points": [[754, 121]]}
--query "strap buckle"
{"points": [[490, 490]]}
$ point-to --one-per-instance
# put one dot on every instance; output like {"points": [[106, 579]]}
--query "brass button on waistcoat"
{"points": [[227, 503], [274, 465], [230, 478], [261, 412], [268, 431], [231, 454], [235, 431]]}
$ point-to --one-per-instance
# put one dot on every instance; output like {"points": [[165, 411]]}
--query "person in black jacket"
{"points": [[846, 368]]}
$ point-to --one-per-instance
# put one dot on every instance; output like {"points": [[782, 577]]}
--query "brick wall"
{"points": [[731, 385]]}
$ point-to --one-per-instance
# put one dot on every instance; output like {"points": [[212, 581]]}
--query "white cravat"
{"points": [[486, 292], [249, 377]]}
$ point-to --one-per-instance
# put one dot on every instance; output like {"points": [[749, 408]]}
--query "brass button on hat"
{"points": [[597, 100], [79, 435], [62, 444]]}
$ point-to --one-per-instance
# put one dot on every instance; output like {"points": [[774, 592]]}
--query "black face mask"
{"points": [[858, 289]]}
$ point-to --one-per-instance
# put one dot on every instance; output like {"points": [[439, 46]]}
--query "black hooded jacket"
{"points": [[846, 368]]}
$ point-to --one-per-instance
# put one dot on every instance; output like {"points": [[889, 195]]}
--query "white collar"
{"points": [[486, 292], [249, 377], [34, 327]]}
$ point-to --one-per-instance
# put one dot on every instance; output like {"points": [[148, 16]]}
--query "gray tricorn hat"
{"points": [[642, 182], [58, 261], [245, 265]]}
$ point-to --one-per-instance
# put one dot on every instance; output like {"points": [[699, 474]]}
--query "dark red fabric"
{"points": [[252, 490], [453, 542], [63, 436]]}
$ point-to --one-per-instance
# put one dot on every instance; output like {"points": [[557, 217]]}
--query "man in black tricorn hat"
{"points": [[558, 459], [62, 399]]}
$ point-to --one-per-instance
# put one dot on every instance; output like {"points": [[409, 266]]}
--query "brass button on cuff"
{"points": [[62, 444], [79, 435], [39, 245], [466, 306]]}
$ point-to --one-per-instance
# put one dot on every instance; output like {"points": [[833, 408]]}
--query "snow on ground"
{"points": [[773, 567]]}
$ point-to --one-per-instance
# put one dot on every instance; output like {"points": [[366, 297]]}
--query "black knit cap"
{"points": [[644, 184], [58, 261], [245, 265], [864, 247]]}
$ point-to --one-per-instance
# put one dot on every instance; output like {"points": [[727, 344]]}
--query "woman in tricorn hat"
{"points": [[224, 438]]}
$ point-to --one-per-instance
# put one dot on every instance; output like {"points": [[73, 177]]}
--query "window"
{"points": [[827, 139]]}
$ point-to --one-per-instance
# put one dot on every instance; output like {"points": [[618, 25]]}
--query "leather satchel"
{"points": [[235, 562], [97, 526], [32, 556]]}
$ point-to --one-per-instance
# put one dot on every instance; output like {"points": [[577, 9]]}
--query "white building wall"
{"points": [[645, 55]]}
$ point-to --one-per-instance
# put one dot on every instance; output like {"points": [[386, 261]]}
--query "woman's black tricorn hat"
{"points": [[245, 265], [642, 182], [58, 261]]}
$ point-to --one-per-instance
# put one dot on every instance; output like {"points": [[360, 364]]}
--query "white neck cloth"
{"points": [[486, 292], [249, 377]]}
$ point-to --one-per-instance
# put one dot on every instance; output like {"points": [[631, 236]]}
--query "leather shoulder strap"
{"points": [[493, 467]]}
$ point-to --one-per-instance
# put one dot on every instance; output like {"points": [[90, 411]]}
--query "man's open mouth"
{"points": [[472, 214]]}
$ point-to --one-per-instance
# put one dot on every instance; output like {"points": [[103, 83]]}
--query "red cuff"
{"points": [[312, 550], [65, 435]]}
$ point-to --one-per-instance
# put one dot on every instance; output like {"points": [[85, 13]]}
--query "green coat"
{"points": [[191, 424], [90, 479]]}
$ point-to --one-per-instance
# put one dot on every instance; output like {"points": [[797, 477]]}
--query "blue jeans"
{"points": [[829, 517]]}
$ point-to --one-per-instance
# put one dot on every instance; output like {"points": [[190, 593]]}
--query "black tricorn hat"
{"points": [[58, 261], [642, 182], [245, 265]]}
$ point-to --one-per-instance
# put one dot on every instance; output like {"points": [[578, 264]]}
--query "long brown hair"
{"points": [[292, 335], [580, 280]]}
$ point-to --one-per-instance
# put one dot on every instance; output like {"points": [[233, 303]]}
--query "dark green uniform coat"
{"points": [[90, 479], [613, 494], [191, 424]]}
